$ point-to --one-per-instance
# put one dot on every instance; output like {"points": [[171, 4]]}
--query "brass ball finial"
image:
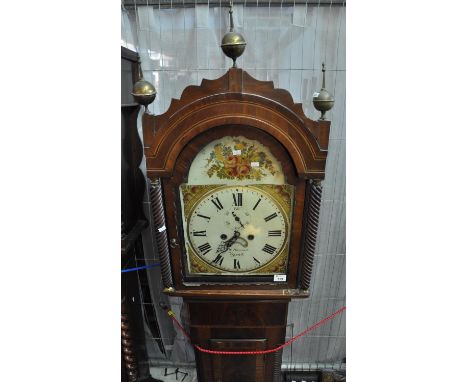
{"points": [[143, 91], [323, 100], [233, 43]]}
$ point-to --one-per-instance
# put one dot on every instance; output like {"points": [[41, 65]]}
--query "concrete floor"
{"points": [[185, 374]]}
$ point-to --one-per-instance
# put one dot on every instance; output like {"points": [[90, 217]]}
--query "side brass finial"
{"points": [[323, 100], [233, 43], [143, 91]]}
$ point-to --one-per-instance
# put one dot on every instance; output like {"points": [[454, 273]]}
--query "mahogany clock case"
{"points": [[229, 312], [234, 105]]}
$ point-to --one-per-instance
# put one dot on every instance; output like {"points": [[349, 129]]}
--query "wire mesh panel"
{"points": [[179, 45]]}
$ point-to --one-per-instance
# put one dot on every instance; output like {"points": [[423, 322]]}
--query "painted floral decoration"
{"points": [[226, 165]]}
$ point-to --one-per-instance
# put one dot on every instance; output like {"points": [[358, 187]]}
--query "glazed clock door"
{"points": [[236, 212]]}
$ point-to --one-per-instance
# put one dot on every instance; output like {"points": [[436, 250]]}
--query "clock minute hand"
{"points": [[237, 219]]}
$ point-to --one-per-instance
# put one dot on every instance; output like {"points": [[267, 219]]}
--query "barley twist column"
{"points": [[314, 196], [128, 350], [160, 233]]}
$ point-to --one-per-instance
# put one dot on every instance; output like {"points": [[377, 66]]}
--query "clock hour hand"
{"points": [[233, 239], [228, 243], [240, 240]]}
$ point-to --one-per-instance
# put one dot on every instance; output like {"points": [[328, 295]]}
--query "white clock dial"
{"points": [[237, 229]]}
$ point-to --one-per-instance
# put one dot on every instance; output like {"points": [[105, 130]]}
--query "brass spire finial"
{"points": [[231, 20], [233, 43], [143, 91], [323, 100], [323, 75]]}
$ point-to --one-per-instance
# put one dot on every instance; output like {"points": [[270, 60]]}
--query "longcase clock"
{"points": [[235, 168]]}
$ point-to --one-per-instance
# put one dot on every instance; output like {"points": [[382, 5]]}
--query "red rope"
{"points": [[256, 352]]}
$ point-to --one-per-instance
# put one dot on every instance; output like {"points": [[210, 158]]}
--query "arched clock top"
{"points": [[236, 98], [235, 160]]}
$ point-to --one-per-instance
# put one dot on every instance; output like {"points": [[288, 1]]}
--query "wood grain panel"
{"points": [[237, 326]]}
